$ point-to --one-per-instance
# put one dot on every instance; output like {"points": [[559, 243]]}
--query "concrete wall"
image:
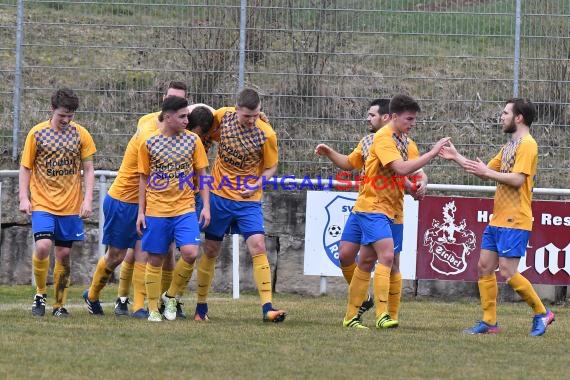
{"points": [[285, 227]]}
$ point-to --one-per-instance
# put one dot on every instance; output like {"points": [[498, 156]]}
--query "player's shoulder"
{"points": [[224, 111], [384, 132], [149, 118], [39, 127], [529, 141], [81, 129], [367, 139], [265, 127]]}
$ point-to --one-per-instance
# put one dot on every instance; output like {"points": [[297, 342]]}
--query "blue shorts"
{"points": [[373, 226], [507, 242], [57, 227], [353, 234], [160, 231], [119, 229], [229, 216]]}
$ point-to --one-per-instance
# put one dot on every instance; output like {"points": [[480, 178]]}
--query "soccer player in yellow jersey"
{"points": [[168, 161], [120, 208], [506, 237], [247, 153], [54, 153], [378, 116], [380, 204]]}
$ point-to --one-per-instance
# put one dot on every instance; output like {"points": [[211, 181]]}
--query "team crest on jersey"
{"points": [[337, 213], [449, 243]]}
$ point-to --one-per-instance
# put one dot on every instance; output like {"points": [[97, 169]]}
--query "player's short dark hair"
{"points": [[200, 117], [403, 103], [65, 98], [383, 105], [172, 104], [524, 107], [177, 85], [248, 98]]}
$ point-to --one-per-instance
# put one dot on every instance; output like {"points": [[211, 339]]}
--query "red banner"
{"points": [[449, 240]]}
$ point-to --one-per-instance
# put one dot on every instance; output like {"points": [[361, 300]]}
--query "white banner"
{"points": [[326, 214]]}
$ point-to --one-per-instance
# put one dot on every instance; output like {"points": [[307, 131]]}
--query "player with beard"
{"points": [[506, 237]]}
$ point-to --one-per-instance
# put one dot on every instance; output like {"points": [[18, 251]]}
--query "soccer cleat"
{"points": [[122, 308], [155, 316], [179, 312], [385, 322], [482, 327], [60, 312], [275, 316], [366, 305], [39, 305], [354, 323], [169, 307], [140, 314], [94, 307], [540, 322]]}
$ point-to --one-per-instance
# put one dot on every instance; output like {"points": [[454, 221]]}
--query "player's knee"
{"points": [[212, 248], [115, 256]]}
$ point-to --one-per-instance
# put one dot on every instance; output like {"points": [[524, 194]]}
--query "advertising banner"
{"points": [[449, 240], [327, 212]]}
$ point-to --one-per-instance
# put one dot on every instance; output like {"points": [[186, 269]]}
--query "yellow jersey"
{"points": [[383, 191], [54, 157], [512, 206]]}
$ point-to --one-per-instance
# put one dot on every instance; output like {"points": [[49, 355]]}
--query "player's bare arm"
{"points": [[24, 185], [141, 224], [401, 167], [339, 160], [89, 179], [204, 217], [481, 170], [251, 188]]}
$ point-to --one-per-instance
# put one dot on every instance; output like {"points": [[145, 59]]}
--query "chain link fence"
{"points": [[317, 64]]}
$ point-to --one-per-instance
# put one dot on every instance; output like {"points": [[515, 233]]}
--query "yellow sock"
{"points": [[180, 277], [41, 268], [357, 291], [381, 288], [206, 269], [488, 290], [262, 277], [524, 289], [348, 271], [152, 284], [165, 280], [139, 288], [125, 279], [100, 278], [61, 272], [394, 295]]}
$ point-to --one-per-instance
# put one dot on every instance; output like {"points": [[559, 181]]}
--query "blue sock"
{"points": [[202, 309], [267, 307]]}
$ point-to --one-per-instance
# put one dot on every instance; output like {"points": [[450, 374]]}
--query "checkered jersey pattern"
{"points": [[58, 156], [508, 197], [240, 150], [402, 144], [172, 155], [366, 143]]}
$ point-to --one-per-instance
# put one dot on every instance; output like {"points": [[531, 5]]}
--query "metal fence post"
{"points": [[242, 37], [517, 57], [18, 78]]}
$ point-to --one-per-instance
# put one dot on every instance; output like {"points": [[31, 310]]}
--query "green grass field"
{"points": [[311, 344]]}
